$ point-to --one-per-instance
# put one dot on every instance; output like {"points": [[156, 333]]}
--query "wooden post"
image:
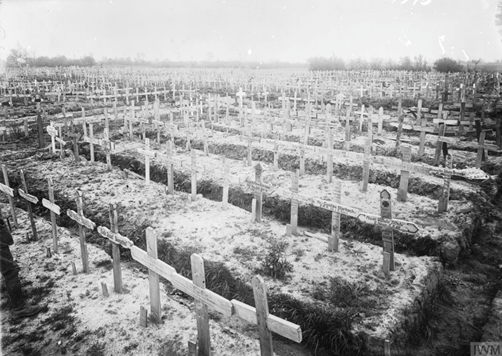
{"points": [[226, 175], [276, 156], [399, 131], [40, 125], [440, 145], [334, 238], [143, 316], [366, 165], [481, 149], [380, 120], [30, 199], [54, 209], [294, 202], [445, 194], [261, 302], [192, 348], [387, 233], [202, 316], [91, 142], [405, 175], [302, 160], [10, 194], [329, 158], [170, 168], [153, 277], [117, 272]]}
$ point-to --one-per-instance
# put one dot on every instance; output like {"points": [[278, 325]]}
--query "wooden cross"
{"points": [[51, 130], [445, 194], [55, 210], [249, 138], [10, 194], [483, 148], [241, 96], [147, 153], [194, 288], [30, 199], [194, 169], [387, 233], [258, 188], [82, 222], [108, 147]]}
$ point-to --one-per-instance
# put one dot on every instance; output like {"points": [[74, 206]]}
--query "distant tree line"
{"points": [[418, 63], [166, 63]]}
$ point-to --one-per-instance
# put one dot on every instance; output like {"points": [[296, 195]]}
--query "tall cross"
{"points": [[55, 210], [82, 222], [30, 199], [147, 153]]}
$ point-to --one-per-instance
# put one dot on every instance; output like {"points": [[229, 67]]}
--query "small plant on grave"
{"points": [[96, 349], [342, 293], [275, 263]]}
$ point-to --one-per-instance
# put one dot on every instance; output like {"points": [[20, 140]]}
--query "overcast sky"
{"points": [[263, 30]]}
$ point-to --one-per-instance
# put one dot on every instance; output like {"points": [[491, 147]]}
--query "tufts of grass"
{"points": [[96, 349], [342, 293], [172, 348], [275, 263], [106, 264]]}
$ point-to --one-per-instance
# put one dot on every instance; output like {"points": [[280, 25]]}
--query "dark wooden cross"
{"points": [[387, 233], [30, 199]]}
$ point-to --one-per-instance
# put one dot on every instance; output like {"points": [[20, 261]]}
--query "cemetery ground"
{"points": [[444, 293]]}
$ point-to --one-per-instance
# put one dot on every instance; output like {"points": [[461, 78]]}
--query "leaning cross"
{"points": [[82, 222]]}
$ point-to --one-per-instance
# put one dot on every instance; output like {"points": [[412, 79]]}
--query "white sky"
{"points": [[263, 30]]}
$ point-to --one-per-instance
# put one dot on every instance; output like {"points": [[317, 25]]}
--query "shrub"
{"points": [[275, 264]]}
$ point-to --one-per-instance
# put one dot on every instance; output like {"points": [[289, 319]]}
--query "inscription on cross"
{"points": [[387, 233]]}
